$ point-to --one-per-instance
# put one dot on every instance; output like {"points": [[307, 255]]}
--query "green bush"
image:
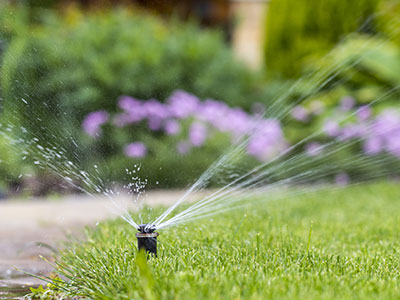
{"points": [[86, 62], [367, 68], [301, 30], [59, 68]]}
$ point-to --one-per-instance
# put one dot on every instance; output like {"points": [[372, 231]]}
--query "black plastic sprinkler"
{"points": [[147, 239]]}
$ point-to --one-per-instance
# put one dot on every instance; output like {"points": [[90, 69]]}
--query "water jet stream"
{"points": [[251, 182]]}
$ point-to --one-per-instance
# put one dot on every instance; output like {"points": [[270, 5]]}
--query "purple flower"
{"points": [[136, 150], [183, 147], [237, 122], [269, 128], [387, 128], [156, 113], [123, 119], [313, 149], [347, 103], [128, 103], [93, 121], [267, 136], [331, 128], [300, 113], [352, 131], [215, 113], [393, 145], [373, 145], [381, 134], [266, 140], [259, 148], [133, 111], [342, 179], [172, 127], [154, 108], [197, 134], [154, 123], [182, 104], [364, 112], [263, 148], [386, 123]]}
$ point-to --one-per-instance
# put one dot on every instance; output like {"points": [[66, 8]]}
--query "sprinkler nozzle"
{"points": [[147, 238]]}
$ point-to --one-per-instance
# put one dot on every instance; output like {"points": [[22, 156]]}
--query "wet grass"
{"points": [[332, 244]]}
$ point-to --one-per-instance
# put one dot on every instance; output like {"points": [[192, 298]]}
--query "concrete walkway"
{"points": [[31, 228]]}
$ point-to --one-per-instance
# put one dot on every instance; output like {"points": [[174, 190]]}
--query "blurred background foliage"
{"points": [[59, 62], [58, 68], [298, 32]]}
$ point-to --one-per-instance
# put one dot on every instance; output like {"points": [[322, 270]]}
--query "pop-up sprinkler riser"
{"points": [[147, 239]]}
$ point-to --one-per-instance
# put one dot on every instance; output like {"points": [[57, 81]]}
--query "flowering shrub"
{"points": [[194, 121], [184, 123], [378, 134], [349, 121], [354, 130]]}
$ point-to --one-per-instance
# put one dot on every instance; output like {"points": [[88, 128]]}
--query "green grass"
{"points": [[331, 244]]}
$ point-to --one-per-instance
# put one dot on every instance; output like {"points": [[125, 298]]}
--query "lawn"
{"points": [[328, 244]]}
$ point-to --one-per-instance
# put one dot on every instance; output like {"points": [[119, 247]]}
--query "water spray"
{"points": [[147, 239]]}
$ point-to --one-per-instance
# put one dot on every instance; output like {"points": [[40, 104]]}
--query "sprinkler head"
{"points": [[147, 239], [146, 228]]}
